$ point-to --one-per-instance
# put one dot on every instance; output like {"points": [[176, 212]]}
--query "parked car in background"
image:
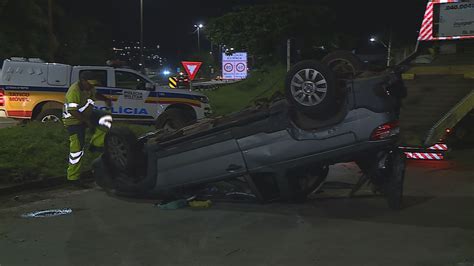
{"points": [[31, 89]]}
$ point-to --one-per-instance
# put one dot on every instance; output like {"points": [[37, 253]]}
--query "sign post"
{"points": [[191, 69]]}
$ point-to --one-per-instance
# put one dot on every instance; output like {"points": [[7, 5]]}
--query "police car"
{"points": [[33, 89]]}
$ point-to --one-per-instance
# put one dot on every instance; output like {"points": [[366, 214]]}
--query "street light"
{"points": [[198, 29], [374, 39], [142, 63]]}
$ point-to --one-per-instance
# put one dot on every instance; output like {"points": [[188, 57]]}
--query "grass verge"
{"points": [[235, 97], [37, 151]]}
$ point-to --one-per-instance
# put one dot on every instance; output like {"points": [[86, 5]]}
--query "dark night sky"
{"points": [[170, 23]]}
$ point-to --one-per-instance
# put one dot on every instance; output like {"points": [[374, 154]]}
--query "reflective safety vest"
{"points": [[78, 100]]}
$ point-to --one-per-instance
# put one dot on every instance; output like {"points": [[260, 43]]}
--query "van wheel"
{"points": [[311, 88], [50, 115], [174, 119]]}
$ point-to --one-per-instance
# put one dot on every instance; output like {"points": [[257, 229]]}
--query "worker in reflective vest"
{"points": [[78, 115]]}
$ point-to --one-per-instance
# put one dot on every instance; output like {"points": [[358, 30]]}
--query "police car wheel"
{"points": [[51, 115], [311, 88]]}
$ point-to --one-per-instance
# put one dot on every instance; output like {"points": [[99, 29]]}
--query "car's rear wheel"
{"points": [[49, 116], [310, 87]]}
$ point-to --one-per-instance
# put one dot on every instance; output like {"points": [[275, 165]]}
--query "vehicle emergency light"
{"points": [[386, 131], [2, 97]]}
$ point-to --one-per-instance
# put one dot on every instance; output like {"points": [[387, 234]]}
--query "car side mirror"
{"points": [[149, 86], [145, 86]]}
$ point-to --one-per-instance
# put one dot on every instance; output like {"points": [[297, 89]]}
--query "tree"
{"points": [[262, 30], [24, 29], [76, 37]]}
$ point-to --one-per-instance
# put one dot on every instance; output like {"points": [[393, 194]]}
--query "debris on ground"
{"points": [[47, 213], [173, 205], [201, 204]]}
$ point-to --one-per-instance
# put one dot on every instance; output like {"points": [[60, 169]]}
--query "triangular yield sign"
{"points": [[191, 68]]}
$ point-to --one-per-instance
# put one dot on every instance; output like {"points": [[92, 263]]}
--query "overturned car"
{"points": [[282, 149]]}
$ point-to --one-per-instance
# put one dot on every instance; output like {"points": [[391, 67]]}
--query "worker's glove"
{"points": [[106, 121]]}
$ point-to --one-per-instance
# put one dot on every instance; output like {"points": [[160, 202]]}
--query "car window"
{"points": [[100, 76], [127, 80]]}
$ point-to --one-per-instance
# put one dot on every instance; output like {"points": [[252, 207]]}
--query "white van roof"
{"points": [[27, 72]]}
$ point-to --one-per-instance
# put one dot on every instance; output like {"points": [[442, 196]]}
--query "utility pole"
{"points": [[198, 29], [199, 42], [389, 48], [288, 55], [142, 61]]}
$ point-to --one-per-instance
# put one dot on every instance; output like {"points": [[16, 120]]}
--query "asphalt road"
{"points": [[436, 227]]}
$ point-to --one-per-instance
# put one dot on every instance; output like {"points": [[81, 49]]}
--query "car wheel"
{"points": [[344, 64], [173, 119], [122, 150], [395, 178], [50, 115], [310, 87]]}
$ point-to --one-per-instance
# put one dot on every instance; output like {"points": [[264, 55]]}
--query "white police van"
{"points": [[33, 89]]}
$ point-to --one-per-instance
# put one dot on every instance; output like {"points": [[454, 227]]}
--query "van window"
{"points": [[127, 80], [100, 76]]}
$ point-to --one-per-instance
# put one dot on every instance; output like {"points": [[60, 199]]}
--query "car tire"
{"points": [[49, 115], [122, 151], [173, 120], [344, 64], [395, 178], [310, 87]]}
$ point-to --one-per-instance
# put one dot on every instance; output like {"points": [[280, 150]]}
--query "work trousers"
{"points": [[77, 137]]}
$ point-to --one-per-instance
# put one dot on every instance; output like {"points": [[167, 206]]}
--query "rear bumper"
{"points": [[3, 113]]}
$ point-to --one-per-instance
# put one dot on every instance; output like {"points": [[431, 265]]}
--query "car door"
{"points": [[133, 100], [212, 157]]}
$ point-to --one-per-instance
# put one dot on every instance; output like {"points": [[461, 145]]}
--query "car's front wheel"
{"points": [[122, 150]]}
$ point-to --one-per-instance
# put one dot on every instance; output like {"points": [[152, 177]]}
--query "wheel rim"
{"points": [[50, 118], [118, 152], [309, 87]]}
